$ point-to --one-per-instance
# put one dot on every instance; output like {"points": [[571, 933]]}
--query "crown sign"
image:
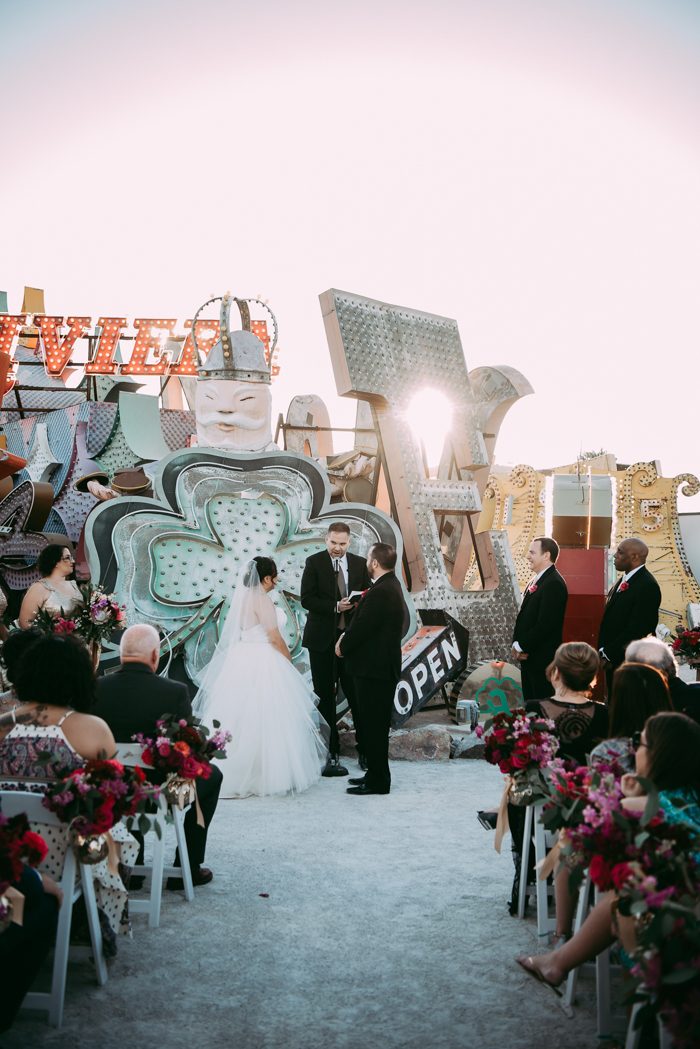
{"points": [[238, 354]]}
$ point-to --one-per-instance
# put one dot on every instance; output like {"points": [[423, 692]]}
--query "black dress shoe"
{"points": [[201, 877], [357, 781], [334, 768], [362, 761], [363, 789]]}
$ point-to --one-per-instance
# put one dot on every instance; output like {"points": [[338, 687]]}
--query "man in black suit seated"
{"points": [[632, 607], [131, 701], [539, 623], [685, 698], [330, 576], [371, 650]]}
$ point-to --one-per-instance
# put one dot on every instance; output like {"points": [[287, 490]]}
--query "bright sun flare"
{"points": [[430, 417]]}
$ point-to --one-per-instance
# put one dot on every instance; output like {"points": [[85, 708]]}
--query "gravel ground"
{"points": [[383, 924]]}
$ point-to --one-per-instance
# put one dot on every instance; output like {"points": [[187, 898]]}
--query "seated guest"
{"points": [[667, 756], [24, 947], [685, 698], [131, 701], [579, 722], [55, 685], [16, 643], [56, 592], [638, 691]]}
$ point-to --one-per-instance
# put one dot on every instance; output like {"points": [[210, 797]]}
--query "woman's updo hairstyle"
{"points": [[577, 664], [266, 567]]}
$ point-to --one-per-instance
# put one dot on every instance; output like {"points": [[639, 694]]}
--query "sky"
{"points": [[529, 168]]}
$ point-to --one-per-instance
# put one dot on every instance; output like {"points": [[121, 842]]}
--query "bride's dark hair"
{"points": [[266, 567]]}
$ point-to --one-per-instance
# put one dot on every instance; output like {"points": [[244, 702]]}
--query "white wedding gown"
{"points": [[264, 702]]}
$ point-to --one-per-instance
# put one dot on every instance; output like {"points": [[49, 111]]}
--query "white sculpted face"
{"points": [[233, 414]]}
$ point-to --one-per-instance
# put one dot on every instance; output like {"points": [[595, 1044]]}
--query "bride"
{"points": [[251, 687]]}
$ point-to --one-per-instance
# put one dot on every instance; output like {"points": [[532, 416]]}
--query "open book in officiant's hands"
{"points": [[355, 595]]}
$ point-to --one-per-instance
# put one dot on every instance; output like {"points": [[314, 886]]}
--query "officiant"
{"points": [[329, 578]]}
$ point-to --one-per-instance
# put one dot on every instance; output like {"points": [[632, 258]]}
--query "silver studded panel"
{"points": [[386, 354], [177, 426]]}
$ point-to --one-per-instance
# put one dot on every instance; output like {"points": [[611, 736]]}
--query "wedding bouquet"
{"points": [[99, 794], [100, 615], [522, 745], [569, 791], [18, 845], [183, 747], [686, 645]]}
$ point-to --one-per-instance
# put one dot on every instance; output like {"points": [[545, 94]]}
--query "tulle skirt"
{"points": [[278, 741]]}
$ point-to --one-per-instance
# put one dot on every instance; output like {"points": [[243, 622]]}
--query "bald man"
{"points": [[131, 701], [632, 607]]}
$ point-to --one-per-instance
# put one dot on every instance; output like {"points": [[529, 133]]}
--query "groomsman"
{"points": [[371, 648], [539, 624], [632, 608], [330, 576]]}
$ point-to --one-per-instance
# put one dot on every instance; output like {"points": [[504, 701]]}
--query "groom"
{"points": [[371, 648], [329, 577]]}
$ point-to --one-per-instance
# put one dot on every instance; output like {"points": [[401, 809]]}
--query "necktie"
{"points": [[342, 591]]}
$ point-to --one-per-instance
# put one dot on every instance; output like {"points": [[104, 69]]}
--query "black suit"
{"points": [[319, 596], [629, 614], [685, 697], [538, 631], [131, 701], [371, 649]]}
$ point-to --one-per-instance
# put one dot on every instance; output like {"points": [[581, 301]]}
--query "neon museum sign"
{"points": [[156, 350]]}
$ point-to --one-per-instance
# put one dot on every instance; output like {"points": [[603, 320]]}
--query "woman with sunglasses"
{"points": [[56, 592], [667, 755]]}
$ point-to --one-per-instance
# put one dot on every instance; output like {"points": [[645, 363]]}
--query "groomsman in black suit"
{"points": [[371, 649], [538, 627], [131, 701], [330, 576], [632, 608]]}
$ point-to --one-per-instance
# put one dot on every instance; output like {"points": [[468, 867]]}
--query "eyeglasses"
{"points": [[637, 741], [68, 558]]}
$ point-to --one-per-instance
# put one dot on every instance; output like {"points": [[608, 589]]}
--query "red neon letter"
{"points": [[103, 361], [9, 323], [56, 356], [147, 340]]}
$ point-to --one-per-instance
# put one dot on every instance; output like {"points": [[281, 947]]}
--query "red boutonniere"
{"points": [[623, 586], [532, 587]]}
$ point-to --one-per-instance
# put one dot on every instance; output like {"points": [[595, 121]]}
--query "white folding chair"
{"points": [[76, 880], [130, 754], [545, 924], [602, 965], [634, 1035]]}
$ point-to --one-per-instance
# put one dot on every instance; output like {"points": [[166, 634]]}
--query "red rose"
{"points": [[599, 871], [147, 756], [36, 848], [621, 873]]}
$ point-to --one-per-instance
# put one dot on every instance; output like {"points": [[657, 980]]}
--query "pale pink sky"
{"points": [[531, 169]]}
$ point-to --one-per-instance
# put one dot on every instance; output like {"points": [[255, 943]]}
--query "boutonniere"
{"points": [[624, 585], [532, 587]]}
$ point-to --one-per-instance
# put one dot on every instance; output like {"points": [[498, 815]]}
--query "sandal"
{"points": [[528, 964]]}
